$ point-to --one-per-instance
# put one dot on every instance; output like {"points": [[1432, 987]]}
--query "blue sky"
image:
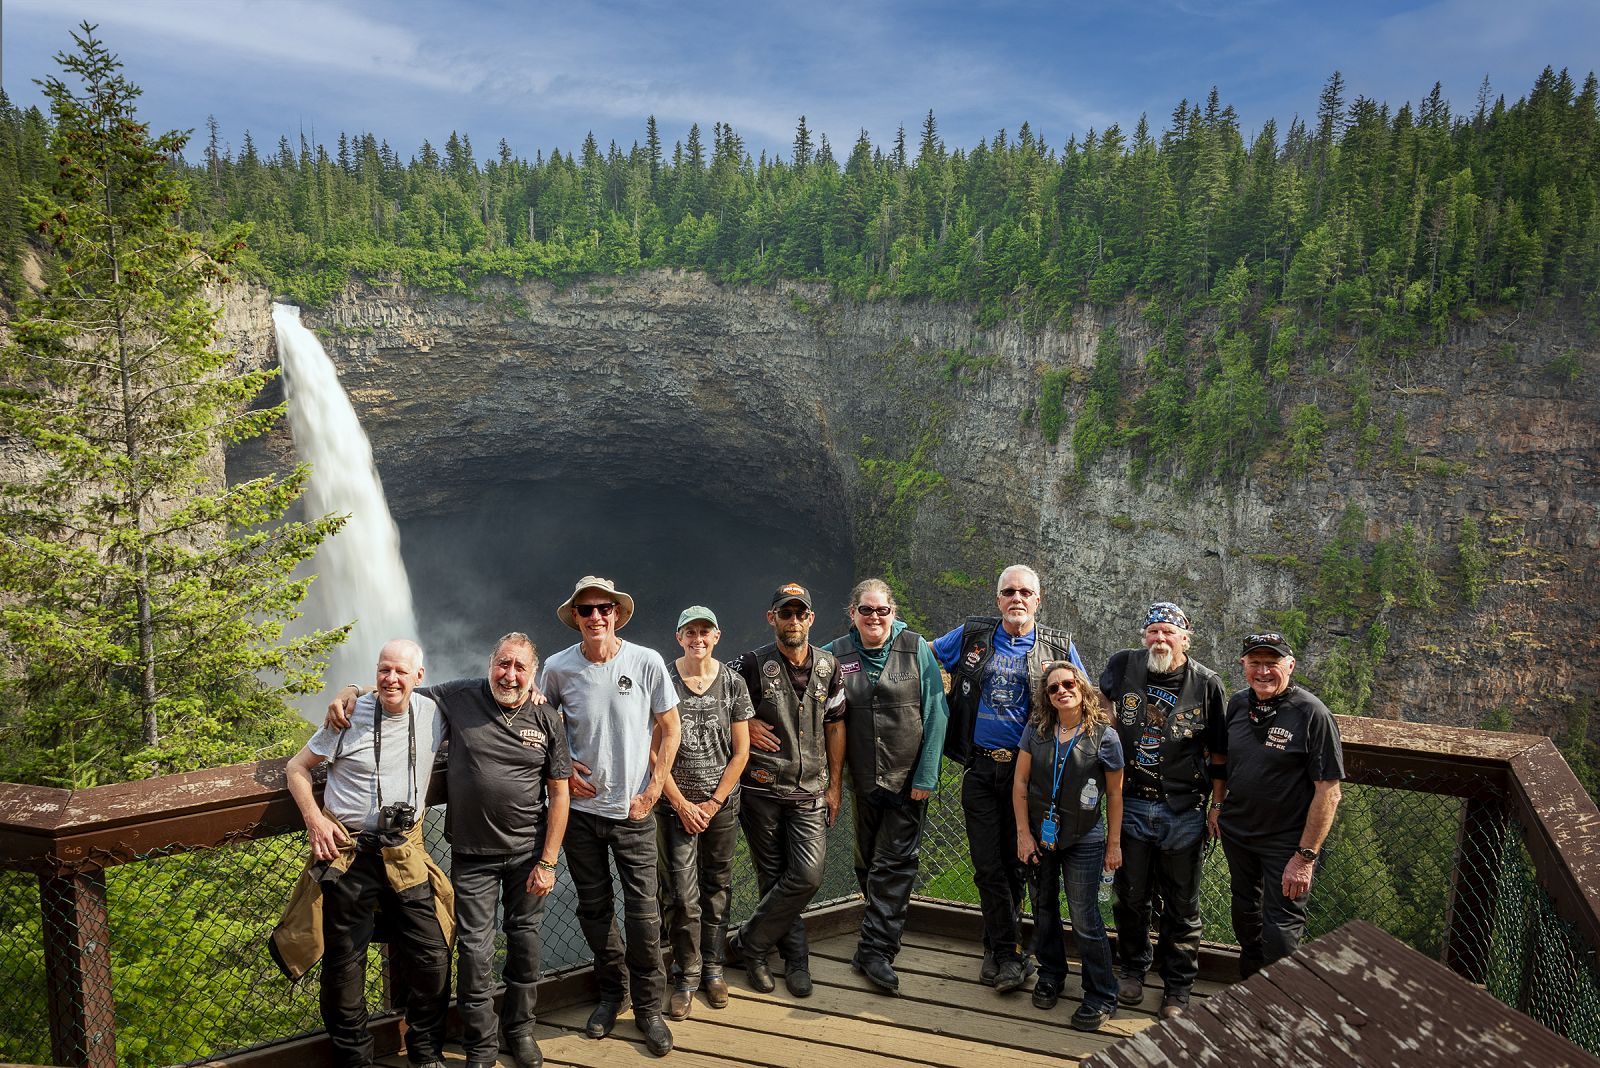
{"points": [[542, 74]]}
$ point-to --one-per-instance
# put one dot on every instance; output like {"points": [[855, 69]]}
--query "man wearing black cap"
{"points": [[622, 729], [1284, 769], [1169, 712], [792, 786]]}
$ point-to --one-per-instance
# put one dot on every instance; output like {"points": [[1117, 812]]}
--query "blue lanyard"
{"points": [[1061, 762]]}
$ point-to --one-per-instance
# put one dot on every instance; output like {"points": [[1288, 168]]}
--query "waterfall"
{"points": [[360, 575]]}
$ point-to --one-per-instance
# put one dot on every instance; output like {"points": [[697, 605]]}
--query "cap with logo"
{"points": [[1266, 639], [791, 591]]}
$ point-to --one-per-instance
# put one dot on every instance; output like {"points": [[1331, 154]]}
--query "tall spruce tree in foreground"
{"points": [[144, 600]]}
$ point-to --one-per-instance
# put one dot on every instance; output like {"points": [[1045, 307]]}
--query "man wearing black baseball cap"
{"points": [[1285, 764], [792, 786]]}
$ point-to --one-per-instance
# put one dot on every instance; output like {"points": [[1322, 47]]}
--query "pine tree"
{"points": [[145, 600]]}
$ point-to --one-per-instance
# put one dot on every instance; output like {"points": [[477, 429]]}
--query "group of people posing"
{"points": [[645, 770]]}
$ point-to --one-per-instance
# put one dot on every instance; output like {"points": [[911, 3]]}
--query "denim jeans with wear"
{"points": [[1161, 853], [1078, 866], [482, 883]]}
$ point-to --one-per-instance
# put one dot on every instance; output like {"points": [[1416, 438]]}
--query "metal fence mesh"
{"points": [[190, 978]]}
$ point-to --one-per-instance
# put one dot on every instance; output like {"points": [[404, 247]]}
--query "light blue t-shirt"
{"points": [[1006, 696], [610, 710], [352, 790]]}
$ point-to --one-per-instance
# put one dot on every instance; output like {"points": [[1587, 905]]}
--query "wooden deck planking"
{"points": [[1356, 996]]}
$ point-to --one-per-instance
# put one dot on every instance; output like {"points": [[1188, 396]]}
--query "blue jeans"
{"points": [[1079, 866], [1161, 852]]}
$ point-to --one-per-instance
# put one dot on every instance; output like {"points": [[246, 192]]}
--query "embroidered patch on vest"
{"points": [[762, 775], [850, 667], [975, 655], [770, 669]]}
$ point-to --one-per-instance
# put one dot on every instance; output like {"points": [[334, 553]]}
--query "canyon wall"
{"points": [[906, 435]]}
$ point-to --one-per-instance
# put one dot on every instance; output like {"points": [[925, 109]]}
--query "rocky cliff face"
{"points": [[853, 427]]}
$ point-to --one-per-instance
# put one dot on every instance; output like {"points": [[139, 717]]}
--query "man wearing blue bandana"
{"points": [[1170, 712]]}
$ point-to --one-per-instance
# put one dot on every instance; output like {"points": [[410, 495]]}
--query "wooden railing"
{"points": [[69, 840]]}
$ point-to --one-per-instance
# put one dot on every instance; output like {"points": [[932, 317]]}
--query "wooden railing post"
{"points": [[1474, 883], [77, 954]]}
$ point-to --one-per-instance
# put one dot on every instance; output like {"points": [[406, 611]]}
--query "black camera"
{"points": [[396, 818]]}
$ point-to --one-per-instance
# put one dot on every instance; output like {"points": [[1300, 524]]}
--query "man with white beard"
{"points": [[1170, 712]]}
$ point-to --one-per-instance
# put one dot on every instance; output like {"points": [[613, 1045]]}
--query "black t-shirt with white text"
{"points": [[499, 761], [1274, 764]]}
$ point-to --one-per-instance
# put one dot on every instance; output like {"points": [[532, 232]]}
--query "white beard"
{"points": [[1161, 660]]}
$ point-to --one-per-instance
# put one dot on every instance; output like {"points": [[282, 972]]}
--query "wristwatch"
{"points": [[1306, 854]]}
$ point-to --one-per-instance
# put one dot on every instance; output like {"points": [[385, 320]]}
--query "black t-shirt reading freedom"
{"points": [[1273, 765], [499, 761]]}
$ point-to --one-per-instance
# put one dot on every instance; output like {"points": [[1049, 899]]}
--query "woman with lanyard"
{"points": [[1069, 759]]}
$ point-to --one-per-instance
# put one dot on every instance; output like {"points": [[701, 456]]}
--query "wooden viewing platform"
{"points": [[943, 1017]]}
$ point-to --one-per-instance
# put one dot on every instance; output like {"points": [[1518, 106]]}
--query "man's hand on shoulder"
{"points": [[342, 708]]}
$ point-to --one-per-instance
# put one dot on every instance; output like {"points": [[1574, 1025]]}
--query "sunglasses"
{"points": [[1016, 591], [792, 613], [885, 610], [1065, 684], [587, 610]]}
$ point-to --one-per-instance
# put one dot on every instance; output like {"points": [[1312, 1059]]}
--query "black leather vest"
{"points": [[801, 763], [883, 725], [1083, 766], [966, 681], [1183, 761]]}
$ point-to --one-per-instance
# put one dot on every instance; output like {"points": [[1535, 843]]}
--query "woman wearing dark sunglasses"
{"points": [[895, 715], [1069, 760]]}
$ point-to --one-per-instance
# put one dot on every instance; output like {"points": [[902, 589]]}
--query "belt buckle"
{"points": [[1001, 756]]}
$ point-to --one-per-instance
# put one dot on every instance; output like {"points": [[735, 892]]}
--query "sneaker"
{"points": [[1046, 992], [1009, 976], [1173, 1005], [681, 1001], [1130, 989], [1089, 1018], [988, 970]]}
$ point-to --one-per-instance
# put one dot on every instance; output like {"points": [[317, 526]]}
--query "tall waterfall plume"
{"points": [[360, 575]]}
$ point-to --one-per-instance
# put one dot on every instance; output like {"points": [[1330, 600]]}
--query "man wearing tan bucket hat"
{"points": [[614, 695]]}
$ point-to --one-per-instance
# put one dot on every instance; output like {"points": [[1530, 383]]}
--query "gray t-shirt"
{"points": [[499, 761], [610, 710], [707, 718], [352, 790]]}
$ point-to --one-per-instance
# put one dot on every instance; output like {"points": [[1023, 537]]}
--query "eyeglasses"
{"points": [[587, 610], [1065, 684], [1016, 591], [792, 613], [885, 610]]}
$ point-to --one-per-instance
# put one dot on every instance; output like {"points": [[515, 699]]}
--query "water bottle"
{"points": [[1105, 887]]}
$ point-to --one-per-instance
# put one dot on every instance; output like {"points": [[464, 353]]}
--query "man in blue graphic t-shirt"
{"points": [[994, 662]]}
